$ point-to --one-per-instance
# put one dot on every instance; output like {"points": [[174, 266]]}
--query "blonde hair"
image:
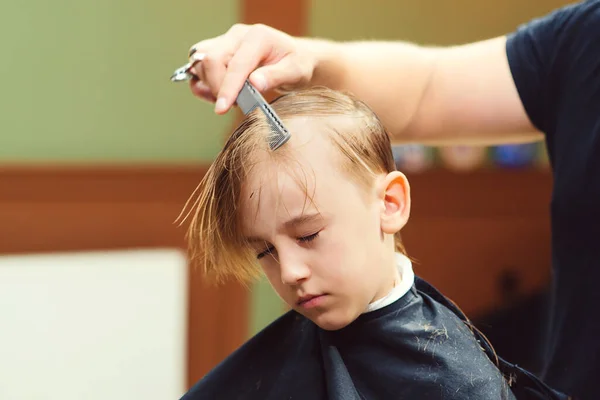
{"points": [[214, 236]]}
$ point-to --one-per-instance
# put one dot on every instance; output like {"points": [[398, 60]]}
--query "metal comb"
{"points": [[248, 99]]}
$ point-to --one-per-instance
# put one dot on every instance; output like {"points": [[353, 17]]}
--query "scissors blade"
{"points": [[183, 73]]}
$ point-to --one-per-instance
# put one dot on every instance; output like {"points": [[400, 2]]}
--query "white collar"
{"points": [[407, 278]]}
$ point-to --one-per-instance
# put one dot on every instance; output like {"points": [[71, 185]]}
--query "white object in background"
{"points": [[93, 325], [413, 157], [463, 158]]}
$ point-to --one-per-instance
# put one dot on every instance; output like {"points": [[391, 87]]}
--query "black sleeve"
{"points": [[548, 57]]}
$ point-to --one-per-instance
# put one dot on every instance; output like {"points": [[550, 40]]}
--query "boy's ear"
{"points": [[394, 193]]}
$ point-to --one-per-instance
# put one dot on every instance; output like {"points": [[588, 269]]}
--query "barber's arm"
{"points": [[461, 94]]}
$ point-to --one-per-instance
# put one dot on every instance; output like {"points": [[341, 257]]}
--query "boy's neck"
{"points": [[403, 278]]}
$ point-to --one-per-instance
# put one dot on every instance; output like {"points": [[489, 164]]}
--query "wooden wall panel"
{"points": [[289, 16], [44, 209], [483, 237]]}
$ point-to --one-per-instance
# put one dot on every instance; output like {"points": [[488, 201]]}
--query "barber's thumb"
{"points": [[259, 80], [275, 76]]}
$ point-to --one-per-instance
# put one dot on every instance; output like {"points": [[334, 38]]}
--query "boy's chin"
{"points": [[332, 320]]}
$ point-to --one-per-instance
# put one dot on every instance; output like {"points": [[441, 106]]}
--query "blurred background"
{"points": [[99, 152]]}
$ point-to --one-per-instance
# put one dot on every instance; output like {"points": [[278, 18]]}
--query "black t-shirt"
{"points": [[555, 62]]}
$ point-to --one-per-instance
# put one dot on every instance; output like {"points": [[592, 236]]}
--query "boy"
{"points": [[321, 217]]}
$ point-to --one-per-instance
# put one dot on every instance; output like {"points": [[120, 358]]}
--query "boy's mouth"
{"points": [[310, 300]]}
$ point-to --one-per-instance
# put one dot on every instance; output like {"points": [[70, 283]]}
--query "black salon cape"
{"points": [[416, 348]]}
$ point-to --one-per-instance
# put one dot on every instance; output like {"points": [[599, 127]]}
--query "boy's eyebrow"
{"points": [[299, 220], [302, 219]]}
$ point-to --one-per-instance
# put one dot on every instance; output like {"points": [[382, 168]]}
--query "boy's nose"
{"points": [[293, 270]]}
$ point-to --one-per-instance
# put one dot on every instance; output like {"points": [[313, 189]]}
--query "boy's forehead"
{"points": [[306, 131], [309, 146], [305, 166], [272, 195]]}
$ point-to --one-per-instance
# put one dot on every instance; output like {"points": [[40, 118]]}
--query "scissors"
{"points": [[183, 73]]}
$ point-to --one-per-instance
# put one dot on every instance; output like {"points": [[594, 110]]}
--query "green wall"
{"points": [[88, 81], [433, 22], [438, 22]]}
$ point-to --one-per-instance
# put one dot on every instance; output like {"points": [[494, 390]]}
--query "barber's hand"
{"points": [[270, 58]]}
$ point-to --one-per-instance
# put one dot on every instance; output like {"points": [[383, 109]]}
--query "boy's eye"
{"points": [[264, 253], [309, 238], [303, 239]]}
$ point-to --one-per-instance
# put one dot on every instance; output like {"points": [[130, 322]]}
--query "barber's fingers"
{"points": [[213, 68], [210, 63], [215, 54], [230, 40], [202, 90], [258, 47], [271, 59]]}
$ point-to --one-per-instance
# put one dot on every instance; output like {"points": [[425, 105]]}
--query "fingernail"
{"points": [[259, 81], [220, 105], [197, 56]]}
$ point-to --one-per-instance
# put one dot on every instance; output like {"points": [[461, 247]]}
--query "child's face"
{"points": [[339, 246]]}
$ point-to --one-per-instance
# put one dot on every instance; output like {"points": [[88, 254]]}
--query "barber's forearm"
{"points": [[391, 77], [463, 94]]}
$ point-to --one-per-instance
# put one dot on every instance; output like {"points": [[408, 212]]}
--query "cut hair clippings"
{"points": [[248, 99]]}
